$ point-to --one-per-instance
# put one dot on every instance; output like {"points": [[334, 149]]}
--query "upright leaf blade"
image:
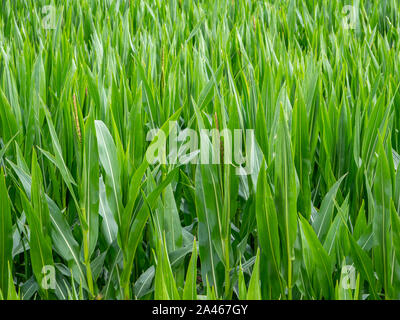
{"points": [[6, 241]]}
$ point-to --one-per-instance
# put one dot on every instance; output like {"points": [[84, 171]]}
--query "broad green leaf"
{"points": [[190, 289], [321, 262], [38, 217], [381, 218], [268, 232], [143, 283], [6, 241], [89, 191], [323, 219], [364, 265], [109, 161], [254, 292]]}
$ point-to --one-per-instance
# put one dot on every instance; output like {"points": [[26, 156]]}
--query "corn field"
{"points": [[199, 150]]}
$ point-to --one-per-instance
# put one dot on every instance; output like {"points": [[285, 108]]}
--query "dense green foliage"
{"points": [[77, 193]]}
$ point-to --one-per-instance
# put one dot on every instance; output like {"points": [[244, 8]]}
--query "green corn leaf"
{"points": [[254, 292], [267, 226], [242, 285], [321, 262], [109, 161], [364, 265], [190, 289], [38, 217], [90, 186], [381, 222], [6, 241], [324, 217], [285, 193], [62, 237]]}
